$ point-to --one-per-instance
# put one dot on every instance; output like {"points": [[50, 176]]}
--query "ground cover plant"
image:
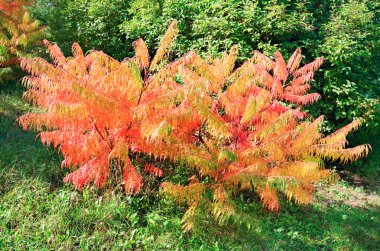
{"points": [[228, 125]]}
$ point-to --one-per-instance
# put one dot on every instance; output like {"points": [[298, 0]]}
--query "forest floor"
{"points": [[39, 212]]}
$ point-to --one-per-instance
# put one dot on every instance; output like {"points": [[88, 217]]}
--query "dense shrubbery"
{"points": [[344, 32], [241, 131], [92, 23], [351, 47]]}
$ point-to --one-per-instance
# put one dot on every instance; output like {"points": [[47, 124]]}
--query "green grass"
{"points": [[39, 212]]}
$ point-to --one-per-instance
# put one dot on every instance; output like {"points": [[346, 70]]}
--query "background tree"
{"points": [[19, 32]]}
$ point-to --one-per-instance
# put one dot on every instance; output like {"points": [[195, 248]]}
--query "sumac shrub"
{"points": [[240, 130]]}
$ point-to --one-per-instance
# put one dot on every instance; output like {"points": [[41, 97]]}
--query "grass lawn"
{"points": [[39, 212]]}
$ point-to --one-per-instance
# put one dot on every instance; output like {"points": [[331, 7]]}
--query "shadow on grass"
{"points": [[21, 153]]}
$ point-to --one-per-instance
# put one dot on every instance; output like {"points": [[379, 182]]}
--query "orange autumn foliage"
{"points": [[18, 31], [241, 129], [88, 108], [245, 138]]}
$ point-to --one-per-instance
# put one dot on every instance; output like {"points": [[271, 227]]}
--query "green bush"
{"points": [[94, 24], [350, 44], [213, 26]]}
